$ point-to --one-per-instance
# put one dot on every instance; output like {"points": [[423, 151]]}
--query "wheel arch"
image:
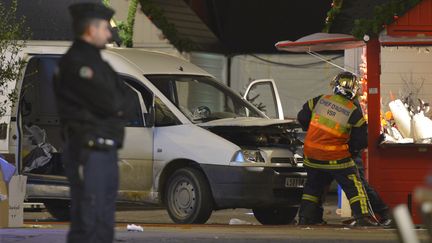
{"points": [[173, 166]]}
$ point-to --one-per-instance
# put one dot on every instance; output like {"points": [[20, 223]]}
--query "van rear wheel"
{"points": [[275, 216], [188, 197]]}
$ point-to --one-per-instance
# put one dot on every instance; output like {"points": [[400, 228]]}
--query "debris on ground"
{"points": [[238, 221], [38, 226], [135, 228]]}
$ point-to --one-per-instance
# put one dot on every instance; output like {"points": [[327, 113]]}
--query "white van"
{"points": [[194, 146]]}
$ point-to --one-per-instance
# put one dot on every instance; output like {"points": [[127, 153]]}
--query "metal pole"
{"points": [[316, 55]]}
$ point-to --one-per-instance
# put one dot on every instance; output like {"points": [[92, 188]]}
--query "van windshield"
{"points": [[202, 98]]}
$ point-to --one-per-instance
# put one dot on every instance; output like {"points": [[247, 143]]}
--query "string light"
{"points": [[363, 83]]}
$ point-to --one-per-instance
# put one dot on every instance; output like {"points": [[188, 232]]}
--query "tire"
{"points": [[275, 216], [188, 197], [59, 209]]}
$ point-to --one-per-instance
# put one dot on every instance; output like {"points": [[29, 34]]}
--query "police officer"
{"points": [[331, 122], [92, 104]]}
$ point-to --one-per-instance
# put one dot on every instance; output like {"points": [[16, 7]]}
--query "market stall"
{"points": [[396, 71], [399, 72]]}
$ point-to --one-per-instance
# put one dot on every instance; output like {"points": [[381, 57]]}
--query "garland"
{"points": [[157, 16], [331, 14], [384, 15], [126, 27]]}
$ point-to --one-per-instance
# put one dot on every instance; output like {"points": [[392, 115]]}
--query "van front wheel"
{"points": [[275, 216], [188, 197]]}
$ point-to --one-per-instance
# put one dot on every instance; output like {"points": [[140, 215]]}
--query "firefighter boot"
{"points": [[386, 219], [363, 221]]}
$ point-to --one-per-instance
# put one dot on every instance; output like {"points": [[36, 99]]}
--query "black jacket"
{"points": [[92, 99]]}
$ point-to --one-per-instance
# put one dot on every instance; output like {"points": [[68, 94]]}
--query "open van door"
{"points": [[264, 94], [136, 156]]}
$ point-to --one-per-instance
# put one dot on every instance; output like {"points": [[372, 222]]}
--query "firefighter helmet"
{"points": [[345, 84]]}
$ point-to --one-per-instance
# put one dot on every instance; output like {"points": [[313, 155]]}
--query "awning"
{"points": [[387, 40], [320, 42]]}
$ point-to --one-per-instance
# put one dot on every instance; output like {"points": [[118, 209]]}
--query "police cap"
{"points": [[80, 11]]}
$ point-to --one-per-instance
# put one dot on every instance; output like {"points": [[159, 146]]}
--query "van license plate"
{"points": [[295, 182]]}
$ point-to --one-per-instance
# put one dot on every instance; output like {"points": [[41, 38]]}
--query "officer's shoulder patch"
{"points": [[86, 72]]}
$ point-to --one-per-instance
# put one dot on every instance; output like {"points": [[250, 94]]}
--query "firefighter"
{"points": [[332, 121], [94, 106]]}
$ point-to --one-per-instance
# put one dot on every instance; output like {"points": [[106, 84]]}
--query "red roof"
{"points": [[416, 22]]}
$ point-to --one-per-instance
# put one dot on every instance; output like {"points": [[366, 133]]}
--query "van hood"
{"points": [[245, 122], [248, 132]]}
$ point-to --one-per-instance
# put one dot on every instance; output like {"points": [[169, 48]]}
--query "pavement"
{"points": [[217, 233], [157, 227]]}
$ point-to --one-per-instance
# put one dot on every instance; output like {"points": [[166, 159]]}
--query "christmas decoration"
{"points": [[384, 14], [126, 27], [331, 14]]}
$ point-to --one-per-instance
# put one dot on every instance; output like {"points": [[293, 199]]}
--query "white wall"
{"points": [[403, 69], [353, 59], [296, 85], [215, 64]]}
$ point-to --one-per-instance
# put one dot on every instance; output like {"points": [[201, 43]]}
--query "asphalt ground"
{"points": [[216, 233], [158, 227]]}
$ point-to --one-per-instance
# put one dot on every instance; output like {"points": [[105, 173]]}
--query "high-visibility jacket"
{"points": [[329, 128]]}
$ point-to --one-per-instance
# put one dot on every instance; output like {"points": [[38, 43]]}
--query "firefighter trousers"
{"points": [[319, 175], [378, 205]]}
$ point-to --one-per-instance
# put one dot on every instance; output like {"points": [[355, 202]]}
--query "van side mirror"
{"points": [[149, 117]]}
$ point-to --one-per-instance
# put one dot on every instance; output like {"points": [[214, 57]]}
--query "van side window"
{"points": [[136, 119], [144, 96], [164, 117]]}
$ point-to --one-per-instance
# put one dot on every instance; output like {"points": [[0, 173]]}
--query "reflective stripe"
{"points": [[329, 130], [310, 198], [361, 194], [311, 104], [328, 147], [333, 165], [325, 162], [360, 122], [355, 199], [342, 100]]}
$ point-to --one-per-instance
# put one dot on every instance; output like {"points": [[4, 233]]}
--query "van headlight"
{"points": [[248, 155]]}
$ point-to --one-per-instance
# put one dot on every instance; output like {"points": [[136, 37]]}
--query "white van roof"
{"points": [[149, 62], [158, 63]]}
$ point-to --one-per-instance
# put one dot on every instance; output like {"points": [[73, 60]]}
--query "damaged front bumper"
{"points": [[255, 186]]}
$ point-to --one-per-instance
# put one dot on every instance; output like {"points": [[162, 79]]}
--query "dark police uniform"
{"points": [[332, 122], [93, 108]]}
